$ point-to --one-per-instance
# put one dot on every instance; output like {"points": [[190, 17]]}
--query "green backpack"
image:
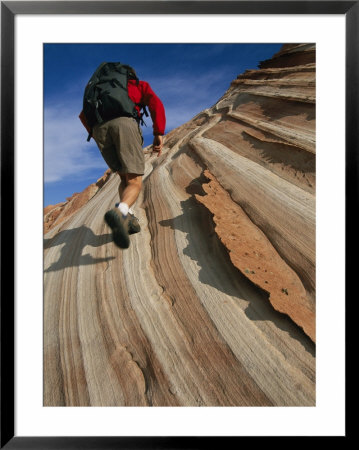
{"points": [[106, 94]]}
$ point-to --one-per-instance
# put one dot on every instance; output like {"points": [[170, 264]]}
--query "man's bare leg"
{"points": [[129, 190], [121, 186]]}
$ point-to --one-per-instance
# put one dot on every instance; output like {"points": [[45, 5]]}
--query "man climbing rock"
{"points": [[114, 103]]}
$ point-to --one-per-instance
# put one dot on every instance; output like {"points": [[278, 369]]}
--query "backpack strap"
{"points": [[97, 114], [144, 112]]}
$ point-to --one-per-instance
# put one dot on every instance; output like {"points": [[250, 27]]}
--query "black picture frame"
{"points": [[9, 9]]}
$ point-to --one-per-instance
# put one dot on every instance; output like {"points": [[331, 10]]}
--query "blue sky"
{"points": [[187, 77]]}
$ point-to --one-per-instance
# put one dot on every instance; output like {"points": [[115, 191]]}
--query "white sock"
{"points": [[130, 209], [123, 207]]}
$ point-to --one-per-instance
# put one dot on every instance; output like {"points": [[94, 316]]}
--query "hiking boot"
{"points": [[119, 226], [133, 224]]}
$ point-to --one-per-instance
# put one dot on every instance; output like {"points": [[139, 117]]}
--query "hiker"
{"points": [[115, 101]]}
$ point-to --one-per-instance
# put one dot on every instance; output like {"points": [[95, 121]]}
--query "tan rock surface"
{"points": [[253, 254], [213, 304]]}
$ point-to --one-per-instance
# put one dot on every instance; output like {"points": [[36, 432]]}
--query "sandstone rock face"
{"points": [[213, 304], [55, 214]]}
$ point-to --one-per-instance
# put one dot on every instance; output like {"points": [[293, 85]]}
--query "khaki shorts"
{"points": [[120, 142]]}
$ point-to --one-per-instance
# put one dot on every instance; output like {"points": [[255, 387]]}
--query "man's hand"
{"points": [[157, 144]]}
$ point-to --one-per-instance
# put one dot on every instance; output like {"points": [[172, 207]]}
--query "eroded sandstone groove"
{"points": [[213, 304]]}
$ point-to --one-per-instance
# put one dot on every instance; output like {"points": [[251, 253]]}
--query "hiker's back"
{"points": [[106, 94]]}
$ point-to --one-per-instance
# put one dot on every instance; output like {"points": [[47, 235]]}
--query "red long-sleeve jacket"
{"points": [[143, 94]]}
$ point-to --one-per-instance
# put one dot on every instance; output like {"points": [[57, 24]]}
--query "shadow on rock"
{"points": [[75, 241], [217, 270]]}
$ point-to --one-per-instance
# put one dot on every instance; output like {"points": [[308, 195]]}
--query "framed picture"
{"points": [[39, 409]]}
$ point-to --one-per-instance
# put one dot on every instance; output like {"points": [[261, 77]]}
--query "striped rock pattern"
{"points": [[213, 304]]}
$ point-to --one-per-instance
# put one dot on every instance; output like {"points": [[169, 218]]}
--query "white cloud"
{"points": [[185, 87], [67, 153], [185, 97]]}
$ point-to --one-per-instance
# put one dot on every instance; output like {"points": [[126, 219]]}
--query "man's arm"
{"points": [[157, 144], [158, 116], [157, 110]]}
